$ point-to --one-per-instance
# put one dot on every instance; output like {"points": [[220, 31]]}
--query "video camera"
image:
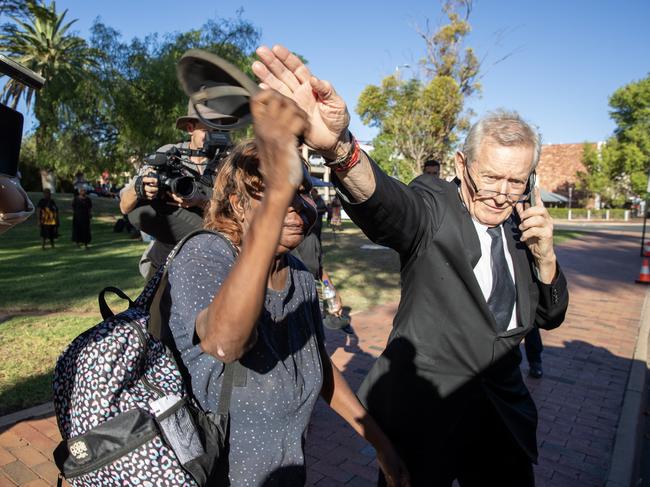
{"points": [[175, 176], [15, 205], [11, 121]]}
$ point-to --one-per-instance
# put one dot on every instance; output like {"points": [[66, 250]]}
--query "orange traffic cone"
{"points": [[646, 248], [644, 275]]}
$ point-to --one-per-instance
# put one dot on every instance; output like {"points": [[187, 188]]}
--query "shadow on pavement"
{"points": [[578, 401]]}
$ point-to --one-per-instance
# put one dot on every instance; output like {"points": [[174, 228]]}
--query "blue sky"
{"points": [[566, 56]]}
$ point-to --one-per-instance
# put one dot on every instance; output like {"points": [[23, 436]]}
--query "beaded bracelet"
{"points": [[349, 160]]}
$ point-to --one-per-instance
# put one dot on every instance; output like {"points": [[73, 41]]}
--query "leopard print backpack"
{"points": [[123, 409]]}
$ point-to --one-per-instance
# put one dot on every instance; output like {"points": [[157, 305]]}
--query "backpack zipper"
{"points": [[145, 382]]}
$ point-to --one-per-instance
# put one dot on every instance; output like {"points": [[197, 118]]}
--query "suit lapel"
{"points": [[519, 253]]}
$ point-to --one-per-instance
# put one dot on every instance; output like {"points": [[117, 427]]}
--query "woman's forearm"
{"points": [[226, 327], [337, 393]]}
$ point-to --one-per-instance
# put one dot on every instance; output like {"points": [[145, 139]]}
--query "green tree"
{"points": [[108, 102], [13, 7], [39, 37], [42, 43], [140, 94], [620, 168], [420, 119]]}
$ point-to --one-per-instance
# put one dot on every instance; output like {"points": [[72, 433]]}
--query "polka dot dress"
{"points": [[269, 416]]}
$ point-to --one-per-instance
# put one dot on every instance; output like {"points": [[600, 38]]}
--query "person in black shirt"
{"points": [[81, 215], [321, 208], [168, 217]]}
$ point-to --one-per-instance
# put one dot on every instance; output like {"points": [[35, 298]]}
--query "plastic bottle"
{"points": [[329, 295]]}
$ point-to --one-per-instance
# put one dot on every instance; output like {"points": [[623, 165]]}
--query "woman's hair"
{"points": [[238, 174]]}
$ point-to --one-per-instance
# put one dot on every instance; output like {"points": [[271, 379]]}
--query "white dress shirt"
{"points": [[483, 269]]}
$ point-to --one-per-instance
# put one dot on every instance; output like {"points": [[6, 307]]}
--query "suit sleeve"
{"points": [[553, 302], [395, 215]]}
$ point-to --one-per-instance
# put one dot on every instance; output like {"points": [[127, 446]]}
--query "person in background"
{"points": [[166, 216], [48, 218], [432, 167], [310, 252], [321, 208], [335, 218], [79, 182], [81, 215]]}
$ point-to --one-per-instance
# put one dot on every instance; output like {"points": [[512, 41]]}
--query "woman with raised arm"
{"points": [[259, 306]]}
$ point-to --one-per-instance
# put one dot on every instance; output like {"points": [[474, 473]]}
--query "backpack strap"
{"points": [[153, 304], [228, 381], [235, 373]]}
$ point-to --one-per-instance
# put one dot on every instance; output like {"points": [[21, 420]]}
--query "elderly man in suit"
{"points": [[478, 272]]}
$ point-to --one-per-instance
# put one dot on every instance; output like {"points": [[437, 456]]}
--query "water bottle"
{"points": [[329, 295]]}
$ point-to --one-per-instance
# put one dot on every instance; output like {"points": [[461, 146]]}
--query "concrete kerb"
{"points": [[33, 412], [626, 454]]}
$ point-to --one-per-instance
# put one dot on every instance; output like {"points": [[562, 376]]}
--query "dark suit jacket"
{"points": [[444, 355]]}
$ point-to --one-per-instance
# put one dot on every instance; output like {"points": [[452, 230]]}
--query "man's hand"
{"points": [[537, 232], [327, 113], [277, 122], [150, 185]]}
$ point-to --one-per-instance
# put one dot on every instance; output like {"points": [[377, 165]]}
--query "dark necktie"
{"points": [[502, 298]]}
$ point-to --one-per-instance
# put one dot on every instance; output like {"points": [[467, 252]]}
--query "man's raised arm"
{"points": [[328, 115], [387, 211]]}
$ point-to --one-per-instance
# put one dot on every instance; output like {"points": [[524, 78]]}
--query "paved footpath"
{"points": [[586, 365]]}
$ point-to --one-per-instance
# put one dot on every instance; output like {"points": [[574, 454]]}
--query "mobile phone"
{"points": [[531, 188], [11, 133]]}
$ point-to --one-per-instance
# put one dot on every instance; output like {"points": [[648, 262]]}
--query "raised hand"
{"points": [[277, 122], [327, 113], [537, 232]]}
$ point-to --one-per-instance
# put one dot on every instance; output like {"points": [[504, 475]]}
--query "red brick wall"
{"points": [[558, 167]]}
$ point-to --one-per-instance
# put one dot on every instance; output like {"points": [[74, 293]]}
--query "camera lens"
{"points": [[183, 187]]}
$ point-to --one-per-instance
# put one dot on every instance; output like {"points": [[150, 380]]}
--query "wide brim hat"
{"points": [[206, 113], [214, 84]]}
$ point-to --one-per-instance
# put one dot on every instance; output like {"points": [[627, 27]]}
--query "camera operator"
{"points": [[165, 212]]}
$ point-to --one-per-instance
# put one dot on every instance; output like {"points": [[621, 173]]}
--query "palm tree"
{"points": [[41, 42], [13, 7]]}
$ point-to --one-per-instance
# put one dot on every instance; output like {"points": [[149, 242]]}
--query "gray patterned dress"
{"points": [[269, 417]]}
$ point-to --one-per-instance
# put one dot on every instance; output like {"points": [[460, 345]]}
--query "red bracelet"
{"points": [[352, 158]]}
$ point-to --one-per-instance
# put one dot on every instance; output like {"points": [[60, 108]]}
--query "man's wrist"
{"points": [[547, 269], [342, 148], [350, 155]]}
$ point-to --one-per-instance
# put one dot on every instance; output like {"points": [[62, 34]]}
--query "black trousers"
{"points": [[480, 452], [534, 346]]}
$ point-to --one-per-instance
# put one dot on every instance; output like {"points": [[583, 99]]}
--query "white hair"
{"points": [[506, 128]]}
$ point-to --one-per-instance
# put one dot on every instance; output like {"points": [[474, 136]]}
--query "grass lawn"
{"points": [[30, 346], [66, 277], [53, 292], [367, 278]]}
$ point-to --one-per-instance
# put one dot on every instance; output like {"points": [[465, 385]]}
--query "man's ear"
{"points": [[459, 164], [190, 126]]}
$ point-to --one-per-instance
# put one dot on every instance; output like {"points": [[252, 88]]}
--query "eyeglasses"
{"points": [[490, 193]]}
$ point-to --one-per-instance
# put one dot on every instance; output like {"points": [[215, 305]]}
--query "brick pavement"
{"points": [[586, 364]]}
